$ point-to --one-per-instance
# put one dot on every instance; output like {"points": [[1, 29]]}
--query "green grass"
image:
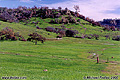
{"points": [[65, 59]]}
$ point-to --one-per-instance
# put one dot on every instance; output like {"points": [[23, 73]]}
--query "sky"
{"points": [[94, 9]]}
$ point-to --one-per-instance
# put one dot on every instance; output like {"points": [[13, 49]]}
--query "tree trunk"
{"points": [[107, 59], [35, 42]]}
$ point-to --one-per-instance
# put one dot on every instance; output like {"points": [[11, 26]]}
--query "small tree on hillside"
{"points": [[36, 37], [76, 7], [59, 8]]}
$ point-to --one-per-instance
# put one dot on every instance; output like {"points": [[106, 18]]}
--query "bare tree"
{"points": [[76, 7], [59, 8]]}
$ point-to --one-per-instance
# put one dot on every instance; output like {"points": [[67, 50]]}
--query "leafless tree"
{"points": [[76, 7]]}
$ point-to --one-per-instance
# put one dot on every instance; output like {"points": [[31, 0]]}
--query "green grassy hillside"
{"points": [[24, 30], [66, 59], [43, 23]]}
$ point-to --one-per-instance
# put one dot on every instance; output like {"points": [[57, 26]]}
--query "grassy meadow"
{"points": [[66, 59]]}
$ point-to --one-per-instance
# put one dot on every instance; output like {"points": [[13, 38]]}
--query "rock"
{"points": [[45, 70], [112, 57]]}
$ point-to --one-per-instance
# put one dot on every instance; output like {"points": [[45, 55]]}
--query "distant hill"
{"points": [[111, 22], [53, 23], [24, 13]]}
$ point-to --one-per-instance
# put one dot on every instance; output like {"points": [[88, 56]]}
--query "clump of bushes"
{"points": [[8, 34], [63, 32], [90, 36], [116, 38], [70, 33], [56, 30]]}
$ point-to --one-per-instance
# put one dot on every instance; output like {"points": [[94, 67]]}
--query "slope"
{"points": [[66, 59]]}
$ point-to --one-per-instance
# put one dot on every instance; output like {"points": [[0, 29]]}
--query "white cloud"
{"points": [[95, 9], [26, 1]]}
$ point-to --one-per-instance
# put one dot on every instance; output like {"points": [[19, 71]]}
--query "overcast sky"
{"points": [[95, 9]]}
